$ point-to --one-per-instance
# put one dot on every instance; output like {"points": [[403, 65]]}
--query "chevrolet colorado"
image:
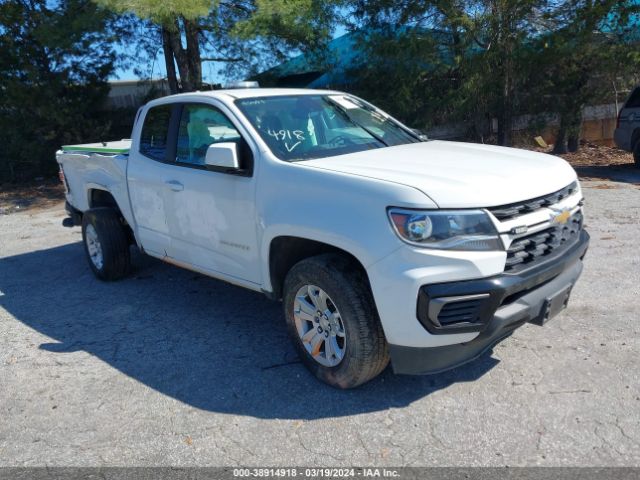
{"points": [[380, 244]]}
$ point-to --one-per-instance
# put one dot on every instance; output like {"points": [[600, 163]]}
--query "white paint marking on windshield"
{"points": [[290, 149], [286, 135]]}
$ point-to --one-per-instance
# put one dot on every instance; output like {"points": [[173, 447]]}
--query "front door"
{"points": [[211, 215]]}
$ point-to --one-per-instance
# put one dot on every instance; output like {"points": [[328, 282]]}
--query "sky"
{"points": [[157, 69]]}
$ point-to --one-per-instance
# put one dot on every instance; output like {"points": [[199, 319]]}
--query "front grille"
{"points": [[464, 311], [513, 210], [528, 250]]}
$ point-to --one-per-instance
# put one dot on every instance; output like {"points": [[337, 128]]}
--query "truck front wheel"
{"points": [[105, 243], [333, 321]]}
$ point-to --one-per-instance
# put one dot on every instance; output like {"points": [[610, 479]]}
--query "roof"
{"points": [[246, 93], [270, 92]]}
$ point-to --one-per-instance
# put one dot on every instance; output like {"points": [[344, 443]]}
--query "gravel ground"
{"points": [[172, 368]]}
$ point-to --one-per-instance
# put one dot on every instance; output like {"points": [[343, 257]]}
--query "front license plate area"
{"points": [[553, 305]]}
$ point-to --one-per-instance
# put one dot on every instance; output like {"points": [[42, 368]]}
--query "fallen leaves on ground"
{"points": [[26, 196]]}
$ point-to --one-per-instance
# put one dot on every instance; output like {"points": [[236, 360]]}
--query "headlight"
{"points": [[446, 229]]}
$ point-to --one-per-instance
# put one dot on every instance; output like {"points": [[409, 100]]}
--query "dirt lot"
{"points": [[36, 195], [172, 368]]}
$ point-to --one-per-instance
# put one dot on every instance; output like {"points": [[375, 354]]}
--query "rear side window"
{"points": [[153, 139], [634, 99]]}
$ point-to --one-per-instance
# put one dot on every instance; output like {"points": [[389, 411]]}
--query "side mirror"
{"points": [[223, 155]]}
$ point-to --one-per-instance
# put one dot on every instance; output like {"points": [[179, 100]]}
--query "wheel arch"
{"points": [[100, 197], [286, 250]]}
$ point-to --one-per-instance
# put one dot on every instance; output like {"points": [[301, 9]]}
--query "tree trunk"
{"points": [[180, 56], [194, 60], [505, 124], [575, 126], [573, 143], [561, 140], [505, 121], [169, 62]]}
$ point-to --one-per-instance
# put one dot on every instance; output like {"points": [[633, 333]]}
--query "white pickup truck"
{"points": [[382, 245]]}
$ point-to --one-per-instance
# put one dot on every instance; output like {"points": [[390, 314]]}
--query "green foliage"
{"points": [[465, 62], [161, 11], [244, 36], [296, 23], [580, 61], [430, 62], [53, 68], [406, 65]]}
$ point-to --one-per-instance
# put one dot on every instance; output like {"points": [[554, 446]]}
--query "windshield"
{"points": [[303, 127]]}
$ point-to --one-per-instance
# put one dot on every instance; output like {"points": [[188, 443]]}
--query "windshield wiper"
{"points": [[358, 124]]}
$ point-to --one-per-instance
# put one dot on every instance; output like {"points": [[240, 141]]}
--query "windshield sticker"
{"points": [[344, 102], [378, 116], [312, 132], [290, 138], [252, 102]]}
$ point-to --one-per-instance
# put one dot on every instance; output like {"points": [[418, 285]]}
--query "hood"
{"points": [[459, 175]]}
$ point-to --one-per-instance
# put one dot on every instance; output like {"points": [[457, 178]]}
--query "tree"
{"points": [[54, 61], [410, 59], [240, 33], [467, 55], [501, 29], [587, 48], [466, 62]]}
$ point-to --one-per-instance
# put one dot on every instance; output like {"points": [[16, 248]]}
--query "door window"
{"points": [[201, 126], [153, 138]]}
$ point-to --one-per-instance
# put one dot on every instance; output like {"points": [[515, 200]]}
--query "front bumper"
{"points": [[516, 300]]}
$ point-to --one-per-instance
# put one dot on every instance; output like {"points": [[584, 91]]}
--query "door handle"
{"points": [[174, 185]]}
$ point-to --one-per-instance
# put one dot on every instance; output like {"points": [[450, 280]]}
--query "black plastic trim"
{"points": [[531, 306], [501, 287], [506, 212], [75, 216]]}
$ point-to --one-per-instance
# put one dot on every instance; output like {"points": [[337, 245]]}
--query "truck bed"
{"points": [[117, 147], [96, 166]]}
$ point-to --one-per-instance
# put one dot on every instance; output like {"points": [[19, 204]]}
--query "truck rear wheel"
{"points": [[105, 243], [333, 321]]}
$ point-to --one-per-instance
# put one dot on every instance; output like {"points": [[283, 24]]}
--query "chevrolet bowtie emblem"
{"points": [[560, 216]]}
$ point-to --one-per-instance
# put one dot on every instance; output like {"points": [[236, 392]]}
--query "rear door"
{"points": [[148, 172]]}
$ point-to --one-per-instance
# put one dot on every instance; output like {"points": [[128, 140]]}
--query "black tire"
{"points": [[113, 240], [365, 352], [636, 153]]}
